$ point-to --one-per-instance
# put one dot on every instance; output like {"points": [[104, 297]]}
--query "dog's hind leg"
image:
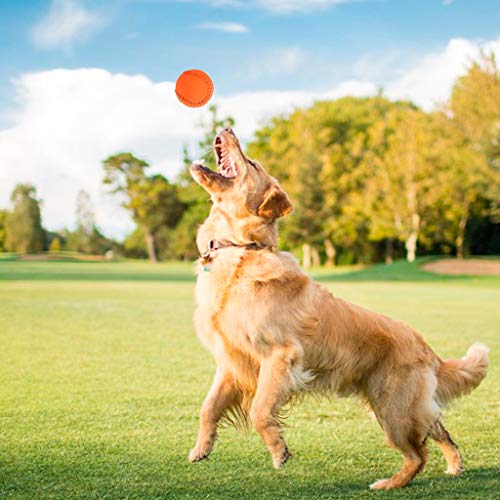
{"points": [[415, 457], [273, 390], [406, 414], [219, 399], [448, 447]]}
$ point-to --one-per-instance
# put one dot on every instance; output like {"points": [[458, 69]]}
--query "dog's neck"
{"points": [[251, 230], [207, 257]]}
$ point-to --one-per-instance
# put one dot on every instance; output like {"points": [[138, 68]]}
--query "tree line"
{"points": [[371, 179], [21, 229]]}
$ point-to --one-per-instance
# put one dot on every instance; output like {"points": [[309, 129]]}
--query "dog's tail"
{"points": [[457, 377]]}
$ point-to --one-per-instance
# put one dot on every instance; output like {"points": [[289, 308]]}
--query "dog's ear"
{"points": [[276, 204]]}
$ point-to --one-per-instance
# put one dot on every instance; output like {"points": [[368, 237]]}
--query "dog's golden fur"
{"points": [[275, 333]]}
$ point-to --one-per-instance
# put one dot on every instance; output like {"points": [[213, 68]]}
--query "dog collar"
{"points": [[214, 246]]}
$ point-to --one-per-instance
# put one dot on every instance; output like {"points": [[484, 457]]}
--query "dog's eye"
{"points": [[254, 165]]}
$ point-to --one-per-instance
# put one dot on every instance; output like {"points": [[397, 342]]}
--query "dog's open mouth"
{"points": [[226, 166]]}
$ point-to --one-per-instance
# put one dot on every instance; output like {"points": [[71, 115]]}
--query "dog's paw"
{"points": [[381, 484], [197, 454], [453, 471], [281, 459]]}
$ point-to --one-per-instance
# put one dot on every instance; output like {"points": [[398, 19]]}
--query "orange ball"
{"points": [[194, 88]]}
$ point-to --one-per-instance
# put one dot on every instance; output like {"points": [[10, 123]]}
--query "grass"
{"points": [[102, 376]]}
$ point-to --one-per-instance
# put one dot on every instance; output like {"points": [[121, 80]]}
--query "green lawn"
{"points": [[102, 376]]}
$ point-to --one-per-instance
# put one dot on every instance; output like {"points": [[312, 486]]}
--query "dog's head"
{"points": [[244, 195], [241, 184]]}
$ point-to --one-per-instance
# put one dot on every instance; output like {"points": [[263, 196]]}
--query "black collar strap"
{"points": [[214, 245]]}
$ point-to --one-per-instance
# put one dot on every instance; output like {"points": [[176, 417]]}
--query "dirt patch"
{"points": [[470, 267]]}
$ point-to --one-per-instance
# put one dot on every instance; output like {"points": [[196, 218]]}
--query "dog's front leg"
{"points": [[218, 400], [273, 390]]}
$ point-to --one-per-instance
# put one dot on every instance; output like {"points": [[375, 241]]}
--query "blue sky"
{"points": [[82, 79], [162, 38]]}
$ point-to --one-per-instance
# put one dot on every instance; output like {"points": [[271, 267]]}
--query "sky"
{"points": [[81, 80]]}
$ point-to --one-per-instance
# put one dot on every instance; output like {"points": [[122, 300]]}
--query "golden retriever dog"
{"points": [[275, 333]]}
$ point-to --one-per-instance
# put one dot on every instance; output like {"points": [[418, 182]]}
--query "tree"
{"points": [[404, 195], [55, 245], [134, 245], [3, 216], [475, 106], [475, 110], [23, 225], [349, 124], [87, 237], [152, 200], [463, 186], [80, 240], [85, 217]]}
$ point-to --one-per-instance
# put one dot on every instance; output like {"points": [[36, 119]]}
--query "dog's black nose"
{"points": [[230, 130]]}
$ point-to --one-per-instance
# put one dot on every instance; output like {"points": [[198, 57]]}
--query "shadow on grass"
{"points": [[135, 476], [480, 482]]}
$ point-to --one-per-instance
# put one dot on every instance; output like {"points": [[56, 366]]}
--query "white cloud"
{"points": [[430, 81], [285, 6], [288, 60], [66, 22], [68, 121], [224, 27], [280, 6], [275, 62], [380, 67], [222, 3]]}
